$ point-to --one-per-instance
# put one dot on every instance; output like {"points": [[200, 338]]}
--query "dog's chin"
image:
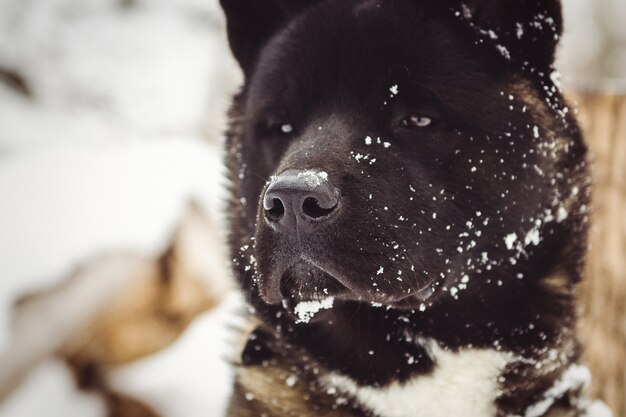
{"points": [[304, 282]]}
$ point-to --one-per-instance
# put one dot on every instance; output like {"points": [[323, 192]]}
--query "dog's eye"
{"points": [[274, 126], [417, 121]]}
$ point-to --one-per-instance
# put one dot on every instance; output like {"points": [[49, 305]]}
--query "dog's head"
{"points": [[392, 151]]}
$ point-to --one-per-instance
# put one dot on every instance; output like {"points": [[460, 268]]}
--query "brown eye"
{"points": [[417, 121]]}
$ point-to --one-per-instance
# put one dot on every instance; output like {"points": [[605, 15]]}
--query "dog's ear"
{"points": [[525, 31], [250, 23]]}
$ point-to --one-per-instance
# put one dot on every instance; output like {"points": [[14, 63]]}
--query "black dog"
{"points": [[409, 209]]}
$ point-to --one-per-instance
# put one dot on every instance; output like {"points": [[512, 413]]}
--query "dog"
{"points": [[408, 212]]}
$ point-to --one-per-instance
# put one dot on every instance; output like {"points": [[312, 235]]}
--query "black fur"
{"points": [[422, 210]]}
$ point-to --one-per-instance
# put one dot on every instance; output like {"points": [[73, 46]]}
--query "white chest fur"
{"points": [[464, 383]]}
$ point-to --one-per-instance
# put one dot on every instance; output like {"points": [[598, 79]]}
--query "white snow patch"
{"points": [[509, 240], [313, 178], [306, 310]]}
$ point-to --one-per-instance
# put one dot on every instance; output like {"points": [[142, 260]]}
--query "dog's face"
{"points": [[389, 152]]}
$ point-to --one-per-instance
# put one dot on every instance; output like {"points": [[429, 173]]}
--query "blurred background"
{"points": [[114, 285]]}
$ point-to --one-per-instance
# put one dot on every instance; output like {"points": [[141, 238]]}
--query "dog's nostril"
{"points": [[276, 211], [312, 208], [298, 202]]}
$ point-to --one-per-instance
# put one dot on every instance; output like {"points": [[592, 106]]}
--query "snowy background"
{"points": [[118, 124]]}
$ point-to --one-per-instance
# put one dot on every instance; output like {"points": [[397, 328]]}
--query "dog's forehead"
{"points": [[340, 47], [367, 5], [329, 37]]}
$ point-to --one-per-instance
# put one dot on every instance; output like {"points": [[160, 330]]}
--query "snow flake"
{"points": [[509, 240], [536, 132], [467, 13], [504, 52], [532, 237], [291, 380], [555, 76]]}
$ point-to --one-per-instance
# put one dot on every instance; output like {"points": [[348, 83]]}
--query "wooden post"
{"points": [[603, 294]]}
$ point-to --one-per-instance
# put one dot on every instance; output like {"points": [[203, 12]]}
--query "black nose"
{"points": [[297, 202]]}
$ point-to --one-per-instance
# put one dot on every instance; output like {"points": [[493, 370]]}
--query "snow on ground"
{"points": [[65, 205], [122, 128], [192, 377], [49, 391], [103, 72]]}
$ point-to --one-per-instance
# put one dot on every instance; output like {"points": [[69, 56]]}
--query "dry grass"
{"points": [[603, 296]]}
